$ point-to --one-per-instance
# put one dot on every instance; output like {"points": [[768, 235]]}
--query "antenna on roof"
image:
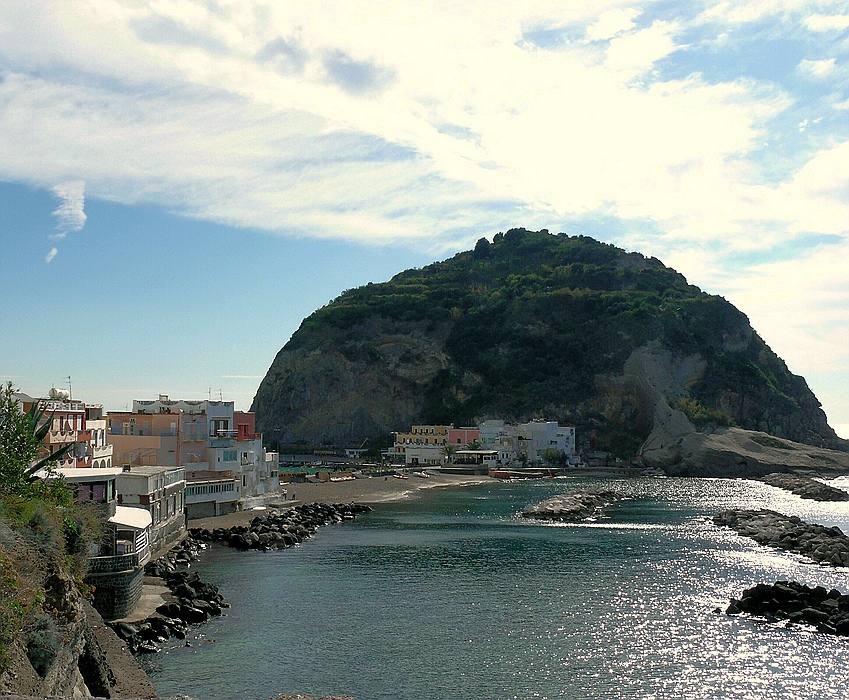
{"points": [[220, 395], [70, 390]]}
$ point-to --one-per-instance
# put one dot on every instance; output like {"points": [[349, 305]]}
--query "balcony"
{"points": [[102, 451], [232, 434], [61, 437]]}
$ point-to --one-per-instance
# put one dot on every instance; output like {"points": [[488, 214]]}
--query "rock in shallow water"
{"points": [[572, 506], [827, 610]]}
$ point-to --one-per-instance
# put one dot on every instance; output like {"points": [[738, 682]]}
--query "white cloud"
{"points": [[70, 214], [819, 68], [611, 23], [827, 23], [737, 12], [780, 298], [379, 152], [638, 51]]}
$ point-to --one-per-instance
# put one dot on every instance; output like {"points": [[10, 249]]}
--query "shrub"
{"points": [[700, 415], [42, 643]]}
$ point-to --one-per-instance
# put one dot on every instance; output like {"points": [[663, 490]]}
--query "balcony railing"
{"points": [[118, 563]]}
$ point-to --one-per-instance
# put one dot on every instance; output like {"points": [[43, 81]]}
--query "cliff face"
{"points": [[53, 643], [534, 325]]}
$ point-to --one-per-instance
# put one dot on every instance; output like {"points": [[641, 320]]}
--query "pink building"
{"points": [[463, 436]]}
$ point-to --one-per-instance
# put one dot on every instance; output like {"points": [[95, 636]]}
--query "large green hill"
{"points": [[532, 325]]}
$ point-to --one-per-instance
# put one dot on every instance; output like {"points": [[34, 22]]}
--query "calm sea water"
{"points": [[452, 596]]}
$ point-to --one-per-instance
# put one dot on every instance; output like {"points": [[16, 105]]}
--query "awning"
{"points": [[135, 518]]}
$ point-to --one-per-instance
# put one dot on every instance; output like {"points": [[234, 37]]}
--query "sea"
{"points": [[450, 595]]}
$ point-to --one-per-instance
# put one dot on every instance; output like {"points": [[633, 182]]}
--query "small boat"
{"points": [[400, 476]]}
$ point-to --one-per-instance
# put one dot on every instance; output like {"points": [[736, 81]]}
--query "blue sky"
{"points": [[182, 181]]}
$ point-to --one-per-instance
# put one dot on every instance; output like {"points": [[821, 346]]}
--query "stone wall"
{"points": [[115, 595]]}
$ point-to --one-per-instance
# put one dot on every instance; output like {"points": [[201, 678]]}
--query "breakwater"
{"points": [[282, 528], [572, 506], [825, 545], [805, 487], [827, 610]]}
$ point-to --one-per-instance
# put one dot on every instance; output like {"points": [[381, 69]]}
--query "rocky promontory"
{"points": [[826, 610], [805, 487], [529, 325], [825, 545], [573, 506]]}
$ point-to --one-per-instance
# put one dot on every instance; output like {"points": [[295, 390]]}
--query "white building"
{"points": [[540, 436], [210, 496], [423, 455], [161, 492], [223, 455], [528, 442], [98, 451]]}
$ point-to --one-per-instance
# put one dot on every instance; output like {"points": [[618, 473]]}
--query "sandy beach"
{"points": [[368, 490]]}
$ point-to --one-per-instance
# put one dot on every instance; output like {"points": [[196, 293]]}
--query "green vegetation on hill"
{"points": [[530, 323]]}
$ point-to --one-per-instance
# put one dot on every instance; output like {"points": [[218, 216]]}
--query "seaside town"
{"points": [[154, 470]]}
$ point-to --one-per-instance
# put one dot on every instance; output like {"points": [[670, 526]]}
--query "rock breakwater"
{"points": [[825, 545], [805, 487], [572, 506], [281, 528], [827, 610]]}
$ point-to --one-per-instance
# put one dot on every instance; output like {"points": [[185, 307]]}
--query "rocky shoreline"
{"points": [[805, 487], [824, 545], [195, 601], [572, 506], [797, 603]]}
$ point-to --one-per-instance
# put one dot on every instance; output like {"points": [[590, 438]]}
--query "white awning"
{"points": [[136, 518]]}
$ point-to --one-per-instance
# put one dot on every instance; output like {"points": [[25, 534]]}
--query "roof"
{"points": [[88, 473], [147, 470], [136, 518]]}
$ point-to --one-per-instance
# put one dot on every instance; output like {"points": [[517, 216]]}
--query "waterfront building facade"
{"points": [[161, 492], [424, 455], [420, 436], [224, 460]]}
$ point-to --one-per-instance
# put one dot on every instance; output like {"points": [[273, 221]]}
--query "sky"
{"points": [[183, 181]]}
